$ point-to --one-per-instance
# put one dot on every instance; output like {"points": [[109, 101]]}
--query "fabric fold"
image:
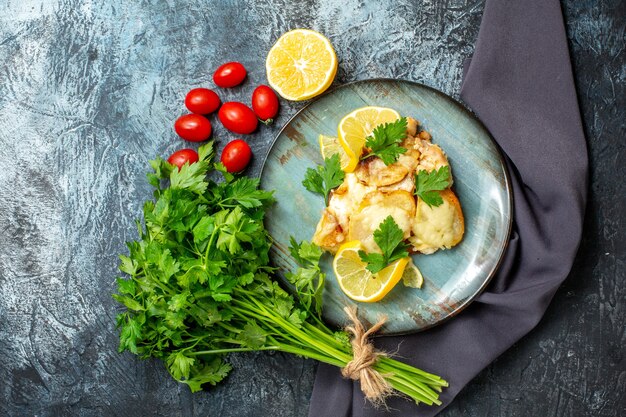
{"points": [[520, 84]]}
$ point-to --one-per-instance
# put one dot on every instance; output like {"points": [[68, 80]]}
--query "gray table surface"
{"points": [[88, 94]]}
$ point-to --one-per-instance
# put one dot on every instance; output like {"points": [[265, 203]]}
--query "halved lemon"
{"points": [[302, 64], [357, 282], [357, 126], [330, 146], [412, 277]]}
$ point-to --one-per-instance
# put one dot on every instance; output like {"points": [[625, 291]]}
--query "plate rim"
{"points": [[502, 160]]}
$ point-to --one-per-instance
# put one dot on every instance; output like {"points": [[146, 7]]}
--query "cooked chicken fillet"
{"points": [[332, 229], [373, 171], [438, 227], [432, 156], [407, 184]]}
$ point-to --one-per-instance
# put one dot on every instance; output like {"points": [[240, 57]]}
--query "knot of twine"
{"points": [[373, 384]]}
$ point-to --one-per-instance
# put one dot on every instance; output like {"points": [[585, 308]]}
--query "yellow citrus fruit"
{"points": [[302, 64], [330, 146], [357, 126], [412, 277], [357, 282]]}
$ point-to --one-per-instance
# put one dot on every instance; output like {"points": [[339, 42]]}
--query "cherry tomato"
{"points": [[179, 158], [202, 101], [236, 155], [265, 103], [229, 75], [238, 118], [193, 127]]}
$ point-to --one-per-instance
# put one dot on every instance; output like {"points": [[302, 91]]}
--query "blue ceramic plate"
{"points": [[453, 278]]}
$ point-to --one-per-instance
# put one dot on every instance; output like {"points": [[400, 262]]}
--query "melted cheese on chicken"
{"points": [[437, 227], [375, 208]]}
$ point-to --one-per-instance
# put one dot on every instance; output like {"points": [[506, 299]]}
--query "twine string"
{"points": [[374, 386]]}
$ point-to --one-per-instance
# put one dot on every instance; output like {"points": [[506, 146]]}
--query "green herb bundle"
{"points": [[200, 284]]}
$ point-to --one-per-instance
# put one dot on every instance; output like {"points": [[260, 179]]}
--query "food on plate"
{"points": [[236, 155], [301, 65], [202, 101], [182, 157], [395, 178], [229, 75], [375, 190], [238, 118], [193, 127], [265, 103]]}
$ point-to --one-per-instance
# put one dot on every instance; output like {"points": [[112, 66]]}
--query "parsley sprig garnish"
{"points": [[428, 185], [325, 177], [385, 140], [390, 240]]}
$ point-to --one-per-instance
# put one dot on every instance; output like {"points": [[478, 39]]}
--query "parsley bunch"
{"points": [[199, 284]]}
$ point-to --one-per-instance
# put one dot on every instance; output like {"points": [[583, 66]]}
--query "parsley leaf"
{"points": [[390, 240], [179, 365], [427, 185], [244, 192], [385, 141], [210, 373], [325, 177], [252, 336]]}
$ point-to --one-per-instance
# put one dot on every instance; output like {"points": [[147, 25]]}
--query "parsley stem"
{"points": [[436, 379], [218, 351]]}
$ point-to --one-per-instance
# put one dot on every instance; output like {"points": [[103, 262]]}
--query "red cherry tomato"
{"points": [[236, 155], [229, 75], [180, 158], [238, 118], [202, 101], [193, 127], [265, 103]]}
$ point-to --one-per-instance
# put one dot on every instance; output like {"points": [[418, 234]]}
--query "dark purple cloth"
{"points": [[519, 82]]}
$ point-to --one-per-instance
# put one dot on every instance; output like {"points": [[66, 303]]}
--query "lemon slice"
{"points": [[301, 64], [357, 282], [357, 126], [330, 146], [412, 277]]}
